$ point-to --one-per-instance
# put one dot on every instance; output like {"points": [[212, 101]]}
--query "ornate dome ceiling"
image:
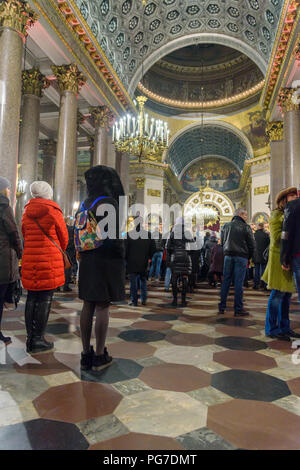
{"points": [[202, 76], [128, 32], [209, 140]]}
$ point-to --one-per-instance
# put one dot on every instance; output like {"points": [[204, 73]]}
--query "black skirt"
{"points": [[101, 279]]}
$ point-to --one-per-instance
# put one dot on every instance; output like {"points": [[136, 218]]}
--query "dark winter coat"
{"points": [[217, 259], [237, 238], [139, 251], [10, 243], [71, 246], [180, 260], [208, 247], [262, 241], [290, 238]]}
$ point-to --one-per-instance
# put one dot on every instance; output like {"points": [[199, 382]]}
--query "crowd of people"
{"points": [[50, 251]]}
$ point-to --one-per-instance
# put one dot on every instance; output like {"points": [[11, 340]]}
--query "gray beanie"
{"points": [[41, 189], [4, 183]]}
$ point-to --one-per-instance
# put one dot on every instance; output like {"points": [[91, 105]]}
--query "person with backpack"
{"points": [[43, 270], [10, 248], [101, 262]]}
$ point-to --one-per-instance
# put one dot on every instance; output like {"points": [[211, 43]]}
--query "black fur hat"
{"points": [[102, 180]]}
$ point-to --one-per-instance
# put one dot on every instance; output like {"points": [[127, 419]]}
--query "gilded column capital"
{"points": [[140, 182], [274, 130], [18, 15], [48, 146], [69, 77], [285, 100], [34, 82], [102, 116]]}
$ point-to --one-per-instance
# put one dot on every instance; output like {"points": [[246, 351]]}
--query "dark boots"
{"points": [[36, 318]]}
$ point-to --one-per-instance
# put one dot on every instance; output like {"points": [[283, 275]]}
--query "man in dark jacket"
{"points": [[10, 247], [71, 254], [138, 252], [262, 241], [290, 241], [238, 245]]}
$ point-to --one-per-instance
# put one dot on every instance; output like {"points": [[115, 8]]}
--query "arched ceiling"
{"points": [[206, 140], [129, 32]]}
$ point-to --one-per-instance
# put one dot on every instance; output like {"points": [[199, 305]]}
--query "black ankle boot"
{"points": [[41, 314], [86, 362], [5, 339]]}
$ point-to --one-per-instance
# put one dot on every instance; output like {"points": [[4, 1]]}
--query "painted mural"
{"points": [[222, 175]]}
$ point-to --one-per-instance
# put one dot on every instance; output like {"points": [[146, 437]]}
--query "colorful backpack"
{"points": [[85, 228]]}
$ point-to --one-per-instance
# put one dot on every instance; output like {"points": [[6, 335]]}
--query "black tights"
{"points": [[86, 322], [3, 290]]}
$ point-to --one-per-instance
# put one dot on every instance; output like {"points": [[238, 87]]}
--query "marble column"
{"points": [[101, 116], [15, 18], [49, 151], [91, 141], [274, 131], [124, 172], [33, 83], [291, 134], [70, 79], [111, 151], [118, 162]]}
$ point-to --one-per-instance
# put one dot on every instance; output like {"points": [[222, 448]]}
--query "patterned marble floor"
{"points": [[181, 379]]}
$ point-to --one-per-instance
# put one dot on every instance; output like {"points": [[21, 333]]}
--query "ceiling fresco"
{"points": [[130, 33]]}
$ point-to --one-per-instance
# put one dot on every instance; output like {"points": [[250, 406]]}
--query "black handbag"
{"points": [[13, 293], [266, 254]]}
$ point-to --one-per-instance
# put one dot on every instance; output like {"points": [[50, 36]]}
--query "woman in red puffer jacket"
{"points": [[42, 262]]}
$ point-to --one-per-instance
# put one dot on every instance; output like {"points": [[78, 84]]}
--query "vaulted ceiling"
{"points": [[130, 33]]}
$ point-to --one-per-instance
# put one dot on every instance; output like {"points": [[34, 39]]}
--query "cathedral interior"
{"points": [[192, 102]]}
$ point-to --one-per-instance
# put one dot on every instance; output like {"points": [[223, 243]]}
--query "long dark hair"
{"points": [[102, 180]]}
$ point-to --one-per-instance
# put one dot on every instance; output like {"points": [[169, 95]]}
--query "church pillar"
{"points": [[274, 131], [291, 134], [70, 80]]}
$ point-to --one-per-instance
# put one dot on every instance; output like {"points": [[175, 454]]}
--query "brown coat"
{"points": [[10, 244]]}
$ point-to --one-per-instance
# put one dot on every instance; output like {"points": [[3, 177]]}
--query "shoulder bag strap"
{"points": [[48, 236]]}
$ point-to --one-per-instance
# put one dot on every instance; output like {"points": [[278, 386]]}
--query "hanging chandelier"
{"points": [[141, 137]]}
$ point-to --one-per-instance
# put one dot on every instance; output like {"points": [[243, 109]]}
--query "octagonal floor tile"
{"points": [[131, 350], [136, 441], [235, 321], [41, 434], [120, 370], [241, 344], [204, 439], [22, 387], [143, 336], [254, 425], [162, 413], [184, 355], [188, 339], [175, 377], [46, 364], [152, 325], [294, 386], [250, 385], [77, 402], [191, 328], [160, 316], [236, 331], [246, 360]]}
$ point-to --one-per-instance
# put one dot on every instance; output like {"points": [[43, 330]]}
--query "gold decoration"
{"points": [[154, 192], [297, 51], [80, 119], [274, 130], [102, 116], [18, 15], [261, 190], [285, 100], [69, 77], [140, 182], [48, 147], [34, 82], [91, 141]]}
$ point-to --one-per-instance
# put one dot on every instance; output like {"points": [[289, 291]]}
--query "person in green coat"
{"points": [[280, 282]]}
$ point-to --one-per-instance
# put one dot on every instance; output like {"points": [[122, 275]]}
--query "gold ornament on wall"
{"points": [[261, 190], [140, 182], [154, 192], [17, 15], [69, 77], [285, 100], [274, 130]]}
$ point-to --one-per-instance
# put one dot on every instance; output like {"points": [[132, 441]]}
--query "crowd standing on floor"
{"points": [[53, 248]]}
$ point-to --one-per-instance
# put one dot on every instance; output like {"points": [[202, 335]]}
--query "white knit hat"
{"points": [[41, 189], [4, 183]]}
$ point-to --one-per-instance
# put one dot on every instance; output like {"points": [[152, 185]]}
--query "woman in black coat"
{"points": [[101, 270], [180, 260], [10, 248]]}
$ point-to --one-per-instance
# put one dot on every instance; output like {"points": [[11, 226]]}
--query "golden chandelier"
{"points": [[141, 137]]}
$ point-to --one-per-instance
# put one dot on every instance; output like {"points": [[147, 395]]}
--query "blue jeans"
{"points": [[277, 318], [168, 278], [138, 280], [156, 262], [296, 271], [258, 272], [234, 269]]}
